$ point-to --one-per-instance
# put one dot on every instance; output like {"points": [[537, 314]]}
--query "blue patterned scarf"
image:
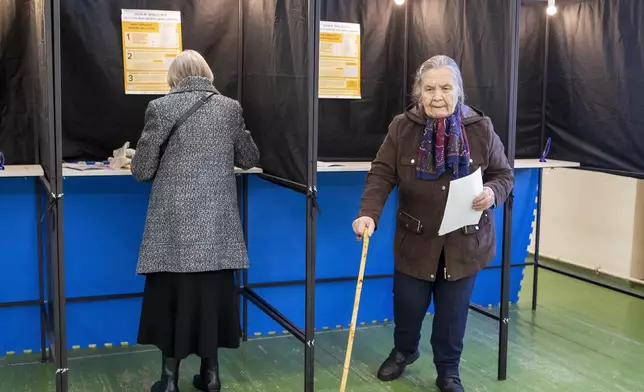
{"points": [[443, 146]]}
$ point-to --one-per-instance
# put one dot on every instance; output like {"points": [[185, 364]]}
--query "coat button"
{"points": [[471, 160], [413, 161], [449, 276], [432, 276], [443, 187], [476, 227]]}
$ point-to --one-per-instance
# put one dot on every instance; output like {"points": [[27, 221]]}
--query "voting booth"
{"points": [[319, 81]]}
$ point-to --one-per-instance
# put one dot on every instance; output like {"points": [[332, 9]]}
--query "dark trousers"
{"points": [[451, 305]]}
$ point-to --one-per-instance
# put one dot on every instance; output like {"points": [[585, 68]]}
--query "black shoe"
{"points": [[208, 378], [169, 376], [449, 384], [394, 366]]}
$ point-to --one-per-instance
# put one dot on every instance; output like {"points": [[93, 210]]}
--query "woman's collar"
{"points": [[194, 83]]}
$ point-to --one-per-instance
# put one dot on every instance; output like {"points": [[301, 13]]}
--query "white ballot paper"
{"points": [[458, 209]]}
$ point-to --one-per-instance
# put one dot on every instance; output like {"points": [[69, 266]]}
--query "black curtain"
{"points": [[16, 82], [275, 93], [466, 31], [596, 85], [354, 129], [97, 115], [530, 97], [594, 75], [476, 35]]}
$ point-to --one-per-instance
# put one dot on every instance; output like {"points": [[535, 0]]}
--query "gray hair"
{"points": [[188, 63], [436, 62]]}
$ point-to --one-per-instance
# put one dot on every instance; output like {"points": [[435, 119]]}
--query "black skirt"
{"points": [[192, 313]]}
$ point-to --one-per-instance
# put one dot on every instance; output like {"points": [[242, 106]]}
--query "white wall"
{"points": [[593, 220]]}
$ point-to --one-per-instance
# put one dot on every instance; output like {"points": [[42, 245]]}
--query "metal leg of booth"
{"points": [[504, 317], [244, 273], [542, 144], [314, 7], [513, 54], [537, 238], [41, 273], [60, 325], [238, 273]]}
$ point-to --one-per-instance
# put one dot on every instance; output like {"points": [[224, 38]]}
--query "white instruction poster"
{"points": [[339, 73], [151, 40]]}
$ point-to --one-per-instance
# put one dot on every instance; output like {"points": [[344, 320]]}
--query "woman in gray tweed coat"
{"points": [[193, 238]]}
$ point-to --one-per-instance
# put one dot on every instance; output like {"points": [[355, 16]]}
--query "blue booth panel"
{"points": [[104, 221], [19, 326], [103, 226], [277, 230], [277, 250]]}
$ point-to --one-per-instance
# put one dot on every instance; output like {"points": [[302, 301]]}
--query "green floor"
{"points": [[582, 338]]}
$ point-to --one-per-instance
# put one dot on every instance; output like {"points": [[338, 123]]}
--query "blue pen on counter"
{"points": [[546, 150]]}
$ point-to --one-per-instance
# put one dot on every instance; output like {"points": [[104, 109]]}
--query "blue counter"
{"points": [[103, 226]]}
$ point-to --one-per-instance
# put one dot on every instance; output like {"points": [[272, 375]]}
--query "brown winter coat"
{"points": [[421, 203]]}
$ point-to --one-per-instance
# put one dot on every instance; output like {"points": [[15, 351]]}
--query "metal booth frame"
{"points": [[52, 299]]}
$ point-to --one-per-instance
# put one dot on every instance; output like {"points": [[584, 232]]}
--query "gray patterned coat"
{"points": [[193, 222]]}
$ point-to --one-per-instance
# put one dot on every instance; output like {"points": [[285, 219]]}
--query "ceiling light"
{"points": [[552, 8]]}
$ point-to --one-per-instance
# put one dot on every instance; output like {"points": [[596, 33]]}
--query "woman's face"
{"points": [[439, 93]]}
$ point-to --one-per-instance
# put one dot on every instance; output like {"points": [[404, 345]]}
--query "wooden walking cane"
{"points": [[356, 305]]}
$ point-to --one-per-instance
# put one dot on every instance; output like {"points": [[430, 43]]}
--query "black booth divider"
{"points": [[40, 89], [54, 306], [44, 91], [307, 337], [50, 202]]}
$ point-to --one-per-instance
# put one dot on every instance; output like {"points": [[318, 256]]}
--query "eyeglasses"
{"points": [[1, 161]]}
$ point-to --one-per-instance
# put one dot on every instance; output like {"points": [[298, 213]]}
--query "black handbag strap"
{"points": [[184, 117]]}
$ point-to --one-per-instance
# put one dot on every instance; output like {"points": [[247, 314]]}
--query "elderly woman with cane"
{"points": [[437, 139], [193, 240]]}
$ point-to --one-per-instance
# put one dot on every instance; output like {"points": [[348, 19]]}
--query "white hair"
{"points": [[439, 61], [188, 63]]}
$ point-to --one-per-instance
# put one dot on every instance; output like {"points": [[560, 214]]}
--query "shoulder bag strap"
{"points": [[184, 117]]}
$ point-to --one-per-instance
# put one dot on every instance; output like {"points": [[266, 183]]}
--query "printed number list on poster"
{"points": [[151, 40], [339, 60]]}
